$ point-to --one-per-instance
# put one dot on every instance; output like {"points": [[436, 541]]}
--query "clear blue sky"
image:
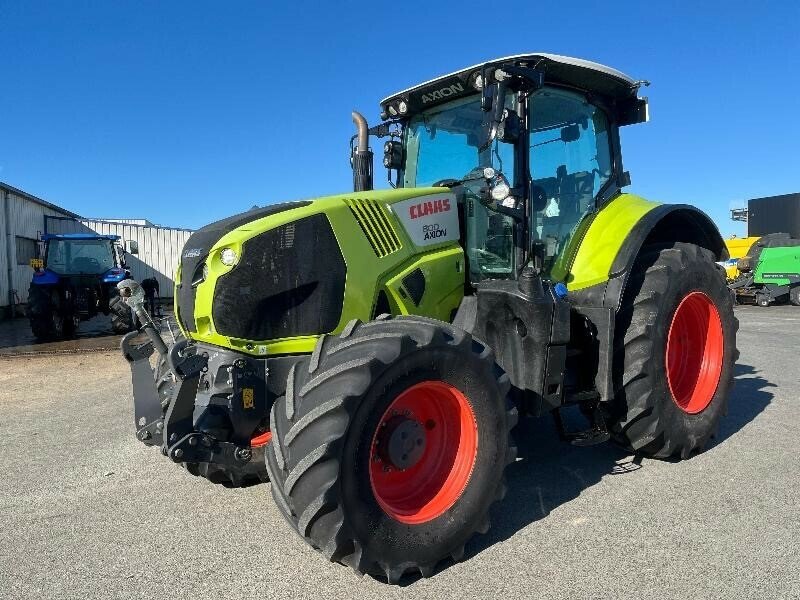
{"points": [[186, 112]]}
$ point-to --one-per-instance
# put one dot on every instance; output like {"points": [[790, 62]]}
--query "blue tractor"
{"points": [[75, 280]]}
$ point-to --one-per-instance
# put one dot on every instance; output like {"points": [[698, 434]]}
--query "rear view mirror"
{"points": [[510, 127], [131, 246], [570, 133], [538, 198]]}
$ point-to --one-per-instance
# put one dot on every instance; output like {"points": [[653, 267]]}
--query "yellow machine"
{"points": [[737, 248]]}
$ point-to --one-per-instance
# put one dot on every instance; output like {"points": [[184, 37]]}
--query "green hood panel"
{"points": [[398, 253]]}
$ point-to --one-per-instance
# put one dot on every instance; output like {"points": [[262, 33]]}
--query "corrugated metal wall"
{"points": [[26, 220], [159, 247]]}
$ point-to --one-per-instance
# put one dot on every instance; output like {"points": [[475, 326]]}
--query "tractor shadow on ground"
{"points": [[549, 472], [749, 398]]}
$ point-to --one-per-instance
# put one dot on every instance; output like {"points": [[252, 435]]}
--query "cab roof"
{"points": [[611, 84]]}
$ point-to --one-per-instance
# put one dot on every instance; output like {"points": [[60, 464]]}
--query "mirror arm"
{"points": [[518, 214]]}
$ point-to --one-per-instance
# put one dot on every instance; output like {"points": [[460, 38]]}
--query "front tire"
{"points": [[122, 320], [390, 445], [675, 347]]}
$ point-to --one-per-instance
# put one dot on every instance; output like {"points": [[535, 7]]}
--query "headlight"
{"points": [[228, 257], [500, 191]]}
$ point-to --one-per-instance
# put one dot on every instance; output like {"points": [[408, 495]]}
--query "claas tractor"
{"points": [[75, 279], [370, 353]]}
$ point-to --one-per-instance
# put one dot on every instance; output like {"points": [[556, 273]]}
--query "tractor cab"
{"points": [[84, 254], [528, 143]]}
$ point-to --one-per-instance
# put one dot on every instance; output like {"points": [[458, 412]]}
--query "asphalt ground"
{"points": [[88, 512]]}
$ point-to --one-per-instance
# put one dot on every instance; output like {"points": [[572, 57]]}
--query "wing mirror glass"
{"points": [[570, 133], [538, 198], [510, 127], [131, 246]]}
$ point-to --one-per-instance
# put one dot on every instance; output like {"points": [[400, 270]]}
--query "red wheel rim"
{"points": [[694, 352], [441, 416]]}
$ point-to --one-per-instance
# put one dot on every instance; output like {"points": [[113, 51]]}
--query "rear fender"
{"points": [[666, 224], [46, 277], [653, 224], [644, 223]]}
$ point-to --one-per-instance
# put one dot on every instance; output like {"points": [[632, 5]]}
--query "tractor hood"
{"points": [[293, 271]]}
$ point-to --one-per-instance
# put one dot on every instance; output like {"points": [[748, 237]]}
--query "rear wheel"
{"points": [[390, 445], [46, 321], [674, 354], [794, 295]]}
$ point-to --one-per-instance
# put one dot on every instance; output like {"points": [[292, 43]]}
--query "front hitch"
{"points": [[154, 427], [169, 422]]}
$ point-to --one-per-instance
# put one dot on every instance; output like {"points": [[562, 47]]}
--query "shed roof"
{"points": [[17, 192]]}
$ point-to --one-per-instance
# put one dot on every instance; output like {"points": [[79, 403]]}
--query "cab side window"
{"points": [[570, 161]]}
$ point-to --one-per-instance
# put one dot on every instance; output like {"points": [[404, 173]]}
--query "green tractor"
{"points": [[371, 352], [770, 272]]}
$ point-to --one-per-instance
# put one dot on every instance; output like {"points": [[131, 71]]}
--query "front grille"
{"points": [[186, 292], [376, 226], [196, 250], [289, 282]]}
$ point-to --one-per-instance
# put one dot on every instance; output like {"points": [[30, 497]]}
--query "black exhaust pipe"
{"points": [[362, 156]]}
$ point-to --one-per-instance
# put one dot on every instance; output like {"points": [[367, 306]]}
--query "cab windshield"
{"points": [[444, 143], [79, 257]]}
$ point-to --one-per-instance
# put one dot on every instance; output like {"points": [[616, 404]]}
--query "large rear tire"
{"points": [[674, 352], [390, 445]]}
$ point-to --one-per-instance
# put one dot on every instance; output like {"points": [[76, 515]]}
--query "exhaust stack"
{"points": [[362, 156]]}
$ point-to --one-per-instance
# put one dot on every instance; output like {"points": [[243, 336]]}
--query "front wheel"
{"points": [[122, 319], [675, 347], [390, 445]]}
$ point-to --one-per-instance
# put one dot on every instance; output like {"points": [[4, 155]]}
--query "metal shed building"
{"points": [[21, 221], [24, 218]]}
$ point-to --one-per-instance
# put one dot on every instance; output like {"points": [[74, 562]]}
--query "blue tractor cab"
{"points": [[75, 279]]}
